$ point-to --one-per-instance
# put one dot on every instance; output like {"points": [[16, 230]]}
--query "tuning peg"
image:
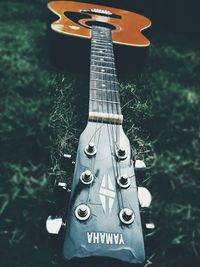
{"points": [[54, 224], [140, 168], [61, 182], [140, 165], [150, 226], [144, 197], [69, 158], [147, 223]]}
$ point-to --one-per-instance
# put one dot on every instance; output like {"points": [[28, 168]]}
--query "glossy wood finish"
{"points": [[127, 28]]}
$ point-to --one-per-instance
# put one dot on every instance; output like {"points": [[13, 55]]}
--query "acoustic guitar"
{"points": [[103, 215]]}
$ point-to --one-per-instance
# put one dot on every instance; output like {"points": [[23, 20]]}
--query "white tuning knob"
{"points": [[144, 197], [150, 226], [69, 158], [54, 224], [140, 165]]}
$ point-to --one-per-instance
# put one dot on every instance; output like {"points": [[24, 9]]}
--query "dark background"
{"points": [[44, 110]]}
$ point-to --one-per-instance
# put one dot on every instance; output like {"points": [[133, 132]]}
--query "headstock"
{"points": [[103, 217]]}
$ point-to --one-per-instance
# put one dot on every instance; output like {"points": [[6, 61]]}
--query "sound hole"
{"points": [[102, 24], [76, 16]]}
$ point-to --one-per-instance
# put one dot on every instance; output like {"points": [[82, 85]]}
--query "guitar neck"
{"points": [[104, 105]]}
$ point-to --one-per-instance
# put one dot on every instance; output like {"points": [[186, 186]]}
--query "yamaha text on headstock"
{"points": [[103, 214]]}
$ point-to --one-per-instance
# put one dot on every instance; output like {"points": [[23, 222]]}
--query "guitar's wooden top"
{"points": [[128, 25]]}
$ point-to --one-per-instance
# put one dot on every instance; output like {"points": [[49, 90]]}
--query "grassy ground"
{"points": [[39, 119]]}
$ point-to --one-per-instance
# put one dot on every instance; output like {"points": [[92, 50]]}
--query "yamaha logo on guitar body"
{"points": [[103, 215]]}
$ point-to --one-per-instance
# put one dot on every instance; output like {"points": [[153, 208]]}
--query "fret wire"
{"points": [[104, 70], [104, 52], [106, 90], [101, 45], [108, 49], [104, 81], [93, 55], [102, 100], [102, 64], [96, 41], [104, 59], [99, 57], [104, 73], [101, 61], [103, 67]]}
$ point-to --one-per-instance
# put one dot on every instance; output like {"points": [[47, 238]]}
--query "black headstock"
{"points": [[103, 216]]}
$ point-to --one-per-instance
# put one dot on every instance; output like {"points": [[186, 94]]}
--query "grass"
{"points": [[40, 120]]}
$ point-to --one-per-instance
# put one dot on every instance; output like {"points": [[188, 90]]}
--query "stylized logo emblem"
{"points": [[107, 194], [105, 238]]}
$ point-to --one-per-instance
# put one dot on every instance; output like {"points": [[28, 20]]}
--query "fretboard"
{"points": [[104, 103]]}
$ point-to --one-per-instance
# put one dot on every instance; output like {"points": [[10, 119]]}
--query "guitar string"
{"points": [[116, 129], [113, 128], [115, 133], [110, 134], [94, 107], [92, 166], [99, 104], [114, 104], [101, 83]]}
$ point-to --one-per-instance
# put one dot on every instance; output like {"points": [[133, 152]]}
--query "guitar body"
{"points": [[103, 234], [103, 216], [127, 25]]}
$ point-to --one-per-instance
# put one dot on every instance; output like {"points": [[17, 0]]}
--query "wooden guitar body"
{"points": [[127, 25]]}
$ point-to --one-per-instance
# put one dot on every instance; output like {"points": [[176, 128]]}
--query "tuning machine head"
{"points": [[124, 181], [140, 165], [87, 177], [82, 212], [140, 168], [121, 153], [69, 158], [126, 216], [144, 197], [54, 224], [90, 149], [150, 226], [61, 183]]}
